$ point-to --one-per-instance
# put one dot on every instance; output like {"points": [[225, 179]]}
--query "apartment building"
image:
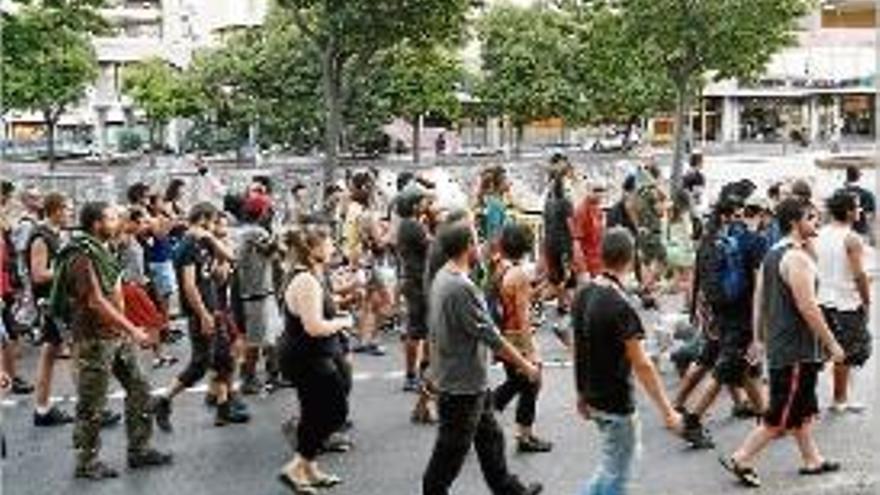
{"points": [[140, 29]]}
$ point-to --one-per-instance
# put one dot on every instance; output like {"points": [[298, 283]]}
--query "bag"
{"points": [[733, 278]]}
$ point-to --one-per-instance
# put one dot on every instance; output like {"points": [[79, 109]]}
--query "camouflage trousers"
{"points": [[97, 359]]}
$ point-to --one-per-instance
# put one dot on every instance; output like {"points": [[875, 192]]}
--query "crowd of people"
{"points": [[278, 294]]}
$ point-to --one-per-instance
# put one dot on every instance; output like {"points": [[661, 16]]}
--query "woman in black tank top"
{"points": [[310, 352]]}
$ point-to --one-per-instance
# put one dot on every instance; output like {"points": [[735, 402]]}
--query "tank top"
{"points": [[789, 340], [510, 313], [53, 246], [296, 343], [837, 286]]}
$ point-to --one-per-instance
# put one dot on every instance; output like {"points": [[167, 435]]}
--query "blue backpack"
{"points": [[733, 278]]}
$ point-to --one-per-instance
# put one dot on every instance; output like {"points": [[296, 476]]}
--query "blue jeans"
{"points": [[620, 440]]}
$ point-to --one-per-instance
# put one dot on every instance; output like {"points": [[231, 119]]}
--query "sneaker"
{"points": [[743, 411], [149, 458], [162, 410], [371, 349], [110, 418], [837, 407], [534, 489], [533, 445], [54, 417], [698, 438], [96, 471], [338, 443], [226, 414], [251, 386], [856, 407], [210, 400], [21, 387], [412, 384], [236, 403]]}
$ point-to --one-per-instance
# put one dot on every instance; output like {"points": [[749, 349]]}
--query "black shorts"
{"points": [[9, 320], [732, 367], [416, 315], [51, 333], [559, 267], [850, 328], [793, 401], [709, 353]]}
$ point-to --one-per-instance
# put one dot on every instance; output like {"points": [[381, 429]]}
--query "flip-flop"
{"points": [[746, 475], [824, 468], [296, 487]]}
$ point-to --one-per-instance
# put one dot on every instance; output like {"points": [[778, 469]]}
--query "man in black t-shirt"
{"points": [[412, 249], [195, 264], [608, 349]]}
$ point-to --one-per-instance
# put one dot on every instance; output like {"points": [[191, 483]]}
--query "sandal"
{"points": [[746, 475], [326, 481], [297, 487], [824, 468]]}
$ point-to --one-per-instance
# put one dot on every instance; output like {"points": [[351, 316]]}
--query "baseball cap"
{"points": [[257, 205]]}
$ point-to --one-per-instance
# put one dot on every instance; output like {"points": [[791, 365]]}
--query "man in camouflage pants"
{"points": [[88, 297]]}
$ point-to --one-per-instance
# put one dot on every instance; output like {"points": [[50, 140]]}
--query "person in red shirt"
{"points": [[588, 227]]}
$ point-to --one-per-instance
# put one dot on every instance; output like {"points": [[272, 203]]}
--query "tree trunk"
{"points": [[417, 139], [681, 111], [518, 138], [51, 121], [331, 75], [152, 144]]}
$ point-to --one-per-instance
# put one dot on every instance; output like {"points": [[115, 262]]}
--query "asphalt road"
{"points": [[390, 453]]}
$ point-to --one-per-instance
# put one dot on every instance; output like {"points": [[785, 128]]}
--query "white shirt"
{"points": [[837, 283]]}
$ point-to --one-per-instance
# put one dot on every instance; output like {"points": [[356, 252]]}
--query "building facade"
{"points": [[139, 29], [821, 90]]}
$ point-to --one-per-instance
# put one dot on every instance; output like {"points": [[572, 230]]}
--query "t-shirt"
{"points": [[254, 270], [603, 320], [557, 212], [199, 254], [82, 281], [131, 257], [412, 247], [589, 227], [462, 335], [693, 179]]}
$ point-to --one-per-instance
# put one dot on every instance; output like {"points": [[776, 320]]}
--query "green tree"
{"points": [[695, 38], [48, 61], [348, 37], [526, 65], [420, 81], [619, 77], [162, 92]]}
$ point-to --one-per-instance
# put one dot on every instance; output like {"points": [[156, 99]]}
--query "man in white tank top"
{"points": [[844, 291]]}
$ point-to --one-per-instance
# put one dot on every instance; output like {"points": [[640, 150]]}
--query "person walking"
{"points": [[513, 287], [461, 335], [311, 352], [844, 292], [196, 262], [608, 336], [788, 318], [86, 294]]}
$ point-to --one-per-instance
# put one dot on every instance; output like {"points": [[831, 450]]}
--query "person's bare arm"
{"points": [[855, 251], [509, 354], [801, 279], [759, 315], [41, 272], [305, 296], [194, 298], [647, 376]]}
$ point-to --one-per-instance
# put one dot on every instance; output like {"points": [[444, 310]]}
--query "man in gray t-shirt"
{"points": [[462, 335]]}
